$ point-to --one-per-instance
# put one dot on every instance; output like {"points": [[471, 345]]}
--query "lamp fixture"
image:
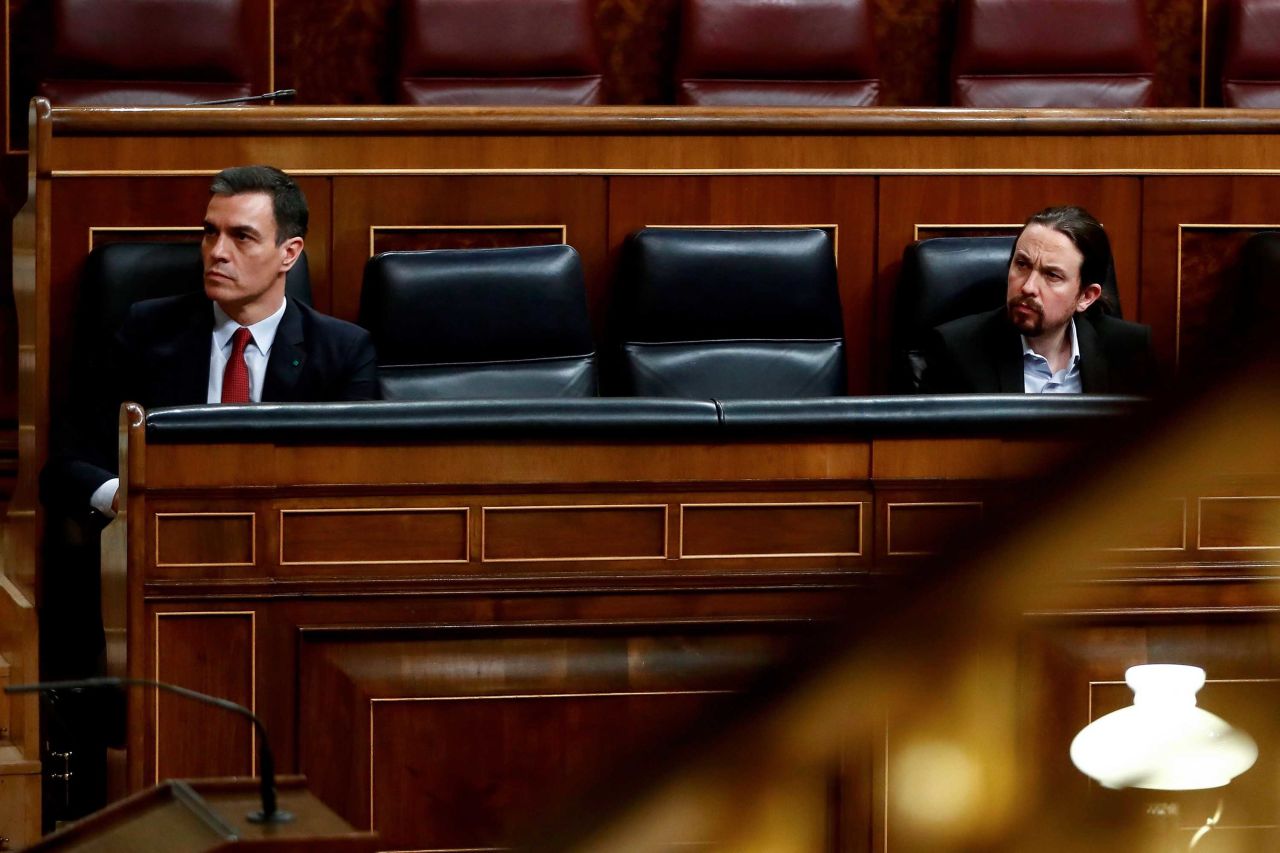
{"points": [[1163, 740]]}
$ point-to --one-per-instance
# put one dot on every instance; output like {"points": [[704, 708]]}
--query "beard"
{"points": [[1027, 316]]}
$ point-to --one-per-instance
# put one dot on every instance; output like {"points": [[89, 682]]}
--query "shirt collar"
{"points": [[1071, 336], [263, 331]]}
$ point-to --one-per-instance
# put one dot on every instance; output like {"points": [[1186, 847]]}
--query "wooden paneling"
{"points": [[763, 530], [570, 205], [212, 653], [1192, 228], [575, 533], [915, 528], [804, 201], [205, 539], [463, 737], [956, 205], [1158, 526], [373, 535], [1238, 523]]}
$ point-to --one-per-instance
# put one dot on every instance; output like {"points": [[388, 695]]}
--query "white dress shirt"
{"points": [[256, 354], [1037, 378]]}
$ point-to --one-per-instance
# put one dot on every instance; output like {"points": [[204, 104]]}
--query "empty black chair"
{"points": [[945, 278], [733, 313], [1257, 297], [479, 323]]}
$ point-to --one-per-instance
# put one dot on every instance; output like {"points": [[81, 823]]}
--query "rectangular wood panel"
{"points": [[381, 535], [1232, 523], [926, 527], [763, 530], [1159, 525], [205, 539], [575, 532], [213, 653]]}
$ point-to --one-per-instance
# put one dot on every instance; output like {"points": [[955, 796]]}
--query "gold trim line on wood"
{"points": [[561, 227], [1204, 226], [271, 45], [465, 510], [1200, 522], [253, 537], [1182, 547], [253, 679], [1117, 172], [861, 505], [94, 229], [888, 522], [390, 699], [666, 532], [947, 226]]}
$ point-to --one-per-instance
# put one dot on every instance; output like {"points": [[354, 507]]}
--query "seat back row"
{"points": [[820, 53], [697, 313]]}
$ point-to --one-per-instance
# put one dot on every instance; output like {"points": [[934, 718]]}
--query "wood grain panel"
{"points": [[212, 653], [574, 533], [364, 536], [761, 530], [426, 237], [457, 737], [1155, 526], [205, 539], [797, 200], [1236, 523], [471, 773], [977, 203], [913, 529], [487, 203], [1188, 256]]}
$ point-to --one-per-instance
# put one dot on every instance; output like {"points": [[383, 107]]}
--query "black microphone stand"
{"points": [[277, 95], [266, 762]]}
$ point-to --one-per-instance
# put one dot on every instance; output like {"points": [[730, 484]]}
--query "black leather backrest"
{"points": [[480, 323], [730, 313], [1257, 298], [945, 278]]}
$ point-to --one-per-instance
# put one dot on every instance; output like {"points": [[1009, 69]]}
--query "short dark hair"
{"points": [[287, 200], [1085, 233]]}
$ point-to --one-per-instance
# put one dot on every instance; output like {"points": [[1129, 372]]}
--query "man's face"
{"points": [[1044, 282], [243, 266]]}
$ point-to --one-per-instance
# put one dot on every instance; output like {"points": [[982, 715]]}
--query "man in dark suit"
{"points": [[1045, 339], [241, 341]]}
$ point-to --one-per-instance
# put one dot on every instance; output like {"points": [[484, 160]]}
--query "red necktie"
{"points": [[235, 379]]}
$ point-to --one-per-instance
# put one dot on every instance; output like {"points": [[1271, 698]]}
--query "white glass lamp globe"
{"points": [[1163, 741]]}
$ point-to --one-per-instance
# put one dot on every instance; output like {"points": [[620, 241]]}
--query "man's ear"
{"points": [[292, 249], [1088, 296]]}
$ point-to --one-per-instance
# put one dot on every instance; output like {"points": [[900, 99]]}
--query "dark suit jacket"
{"points": [[982, 354], [161, 358]]}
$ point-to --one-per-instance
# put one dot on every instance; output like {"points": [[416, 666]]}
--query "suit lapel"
{"points": [[1095, 374], [189, 359], [1009, 358], [288, 357]]}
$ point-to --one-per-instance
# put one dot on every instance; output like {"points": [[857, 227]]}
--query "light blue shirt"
{"points": [[1037, 378]]}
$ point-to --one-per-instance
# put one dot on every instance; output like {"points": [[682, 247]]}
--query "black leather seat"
{"points": [[945, 278], [733, 313], [1257, 297], [480, 323]]}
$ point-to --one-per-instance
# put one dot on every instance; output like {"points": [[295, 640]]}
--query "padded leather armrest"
{"points": [[434, 420], [929, 415]]}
